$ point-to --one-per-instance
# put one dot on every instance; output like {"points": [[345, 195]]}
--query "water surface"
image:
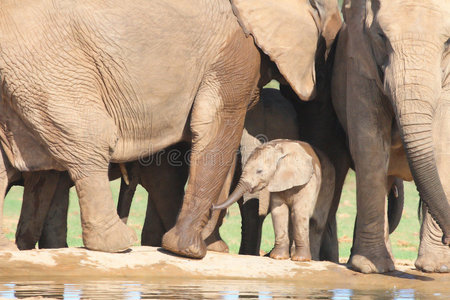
{"points": [[194, 289]]}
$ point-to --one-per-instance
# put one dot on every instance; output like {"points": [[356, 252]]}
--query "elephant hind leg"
{"points": [[164, 182], [54, 233], [39, 189], [211, 233], [153, 229], [217, 121], [84, 150]]}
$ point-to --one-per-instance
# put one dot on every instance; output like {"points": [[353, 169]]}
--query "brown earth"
{"points": [[148, 262]]}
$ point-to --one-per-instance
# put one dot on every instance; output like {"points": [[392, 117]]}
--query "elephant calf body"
{"points": [[300, 181]]}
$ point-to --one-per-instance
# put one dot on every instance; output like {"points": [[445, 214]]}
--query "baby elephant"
{"points": [[300, 181]]}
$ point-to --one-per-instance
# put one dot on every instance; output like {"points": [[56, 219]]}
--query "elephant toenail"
{"points": [[366, 269], [428, 269], [443, 269]]}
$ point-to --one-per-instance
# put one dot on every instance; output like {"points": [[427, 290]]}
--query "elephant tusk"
{"points": [[395, 191], [124, 172]]}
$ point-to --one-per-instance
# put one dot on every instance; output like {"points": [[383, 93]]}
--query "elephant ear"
{"points": [[288, 32], [293, 169]]}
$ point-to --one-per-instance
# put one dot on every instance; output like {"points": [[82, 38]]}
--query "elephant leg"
{"points": [[209, 168], [300, 233], [329, 246], [39, 190], [127, 191], [102, 228], [369, 131], [433, 255], [280, 220], [6, 175], [320, 219], [211, 234], [153, 229], [164, 179], [54, 233], [83, 147], [217, 121], [214, 241], [252, 224]]}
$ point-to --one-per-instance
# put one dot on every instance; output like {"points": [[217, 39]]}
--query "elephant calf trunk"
{"points": [[238, 192]]}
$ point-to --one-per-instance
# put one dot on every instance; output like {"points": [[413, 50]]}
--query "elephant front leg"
{"points": [[433, 255], [102, 228], [280, 219], [369, 131]]}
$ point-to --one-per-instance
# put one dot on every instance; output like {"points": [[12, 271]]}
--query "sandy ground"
{"points": [[148, 262]]}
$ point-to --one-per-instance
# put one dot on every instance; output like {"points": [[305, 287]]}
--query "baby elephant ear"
{"points": [[293, 169]]}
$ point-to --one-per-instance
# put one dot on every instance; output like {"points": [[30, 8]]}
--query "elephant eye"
{"points": [[259, 171], [382, 36]]}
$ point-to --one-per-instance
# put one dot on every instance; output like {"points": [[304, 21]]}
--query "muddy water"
{"points": [[195, 289]]}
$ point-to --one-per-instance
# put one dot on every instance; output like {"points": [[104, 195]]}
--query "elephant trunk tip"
{"points": [[218, 206], [238, 192]]}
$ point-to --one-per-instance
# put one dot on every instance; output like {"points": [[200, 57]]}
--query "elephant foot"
{"points": [[434, 259], [110, 236], [371, 263], [188, 244], [217, 246], [301, 254], [7, 245], [280, 252]]}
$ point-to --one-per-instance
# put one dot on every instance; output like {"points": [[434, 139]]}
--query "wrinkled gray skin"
{"points": [[391, 91], [87, 83], [164, 176], [113, 109], [300, 184]]}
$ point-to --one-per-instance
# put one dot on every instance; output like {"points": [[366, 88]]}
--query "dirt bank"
{"points": [[148, 262]]}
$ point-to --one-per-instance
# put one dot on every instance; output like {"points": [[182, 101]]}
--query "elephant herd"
{"points": [[90, 90]]}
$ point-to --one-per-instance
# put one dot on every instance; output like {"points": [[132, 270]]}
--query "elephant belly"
{"points": [[165, 127], [15, 137]]}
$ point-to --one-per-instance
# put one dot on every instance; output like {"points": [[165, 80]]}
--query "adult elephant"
{"points": [[85, 84], [391, 90]]}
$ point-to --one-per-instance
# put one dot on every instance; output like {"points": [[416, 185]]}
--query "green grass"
{"points": [[404, 240]]}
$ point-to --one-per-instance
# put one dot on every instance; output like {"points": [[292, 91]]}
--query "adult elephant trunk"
{"points": [[241, 188], [414, 81]]}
